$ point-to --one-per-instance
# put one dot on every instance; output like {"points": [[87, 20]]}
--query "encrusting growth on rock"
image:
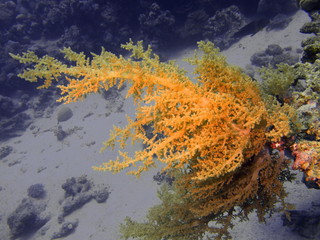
{"points": [[307, 155]]}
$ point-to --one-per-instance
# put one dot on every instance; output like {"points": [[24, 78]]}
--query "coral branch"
{"points": [[213, 126]]}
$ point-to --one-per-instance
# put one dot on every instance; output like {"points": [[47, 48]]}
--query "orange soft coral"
{"points": [[210, 127]]}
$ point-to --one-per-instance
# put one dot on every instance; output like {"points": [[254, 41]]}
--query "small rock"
{"points": [[260, 59], [74, 186], [274, 49], [26, 218], [101, 195], [36, 191], [71, 204], [64, 114], [78, 192], [163, 177], [59, 133], [66, 229]]}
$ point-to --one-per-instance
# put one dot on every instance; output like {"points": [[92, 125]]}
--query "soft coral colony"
{"points": [[210, 134]]}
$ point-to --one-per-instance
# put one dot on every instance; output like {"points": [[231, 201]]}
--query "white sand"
{"points": [[43, 159], [73, 157]]}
